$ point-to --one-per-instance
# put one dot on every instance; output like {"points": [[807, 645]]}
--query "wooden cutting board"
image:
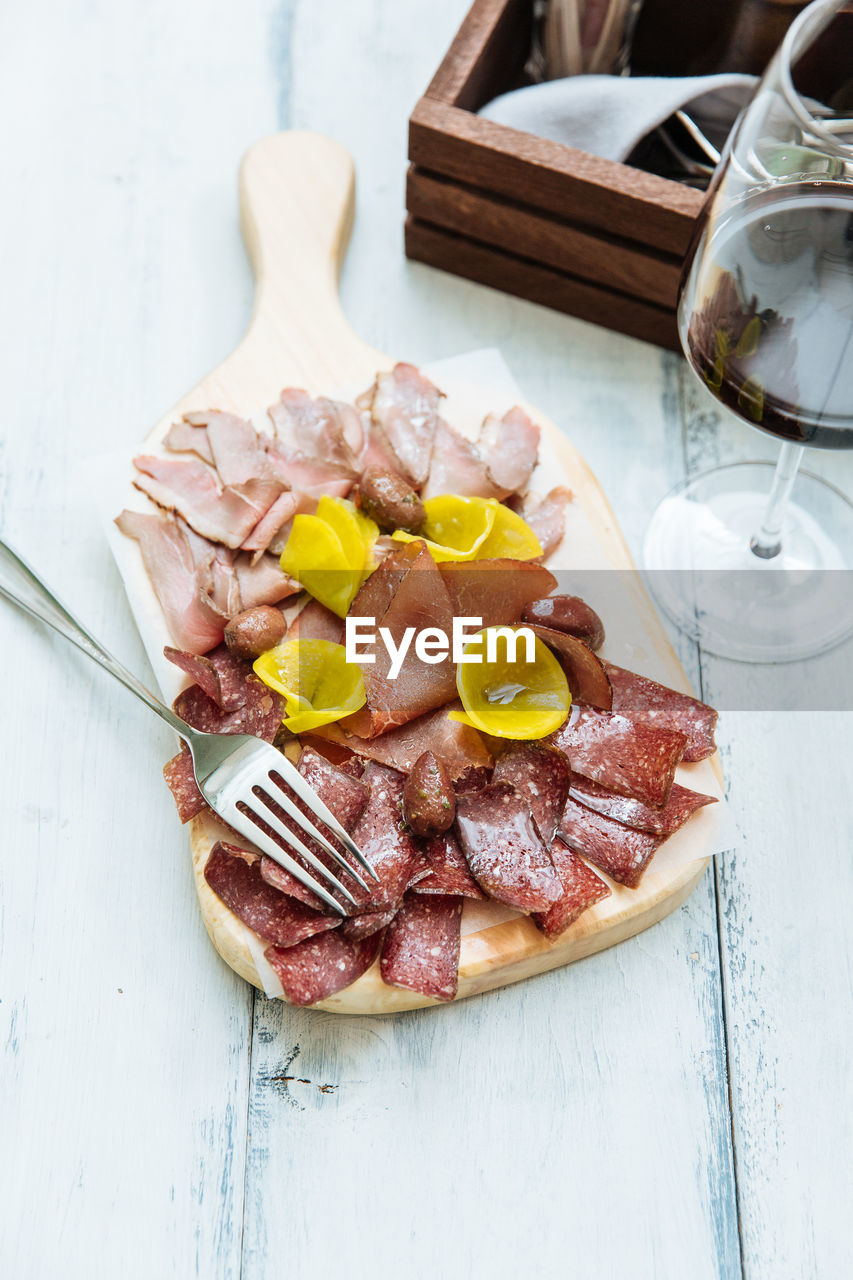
{"points": [[296, 193]]}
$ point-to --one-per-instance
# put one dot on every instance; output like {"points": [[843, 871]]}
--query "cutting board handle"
{"points": [[297, 205]]}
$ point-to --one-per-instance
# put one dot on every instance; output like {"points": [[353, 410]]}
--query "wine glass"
{"points": [[766, 322]]}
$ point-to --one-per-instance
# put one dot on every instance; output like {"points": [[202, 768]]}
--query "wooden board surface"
{"points": [[296, 198]]}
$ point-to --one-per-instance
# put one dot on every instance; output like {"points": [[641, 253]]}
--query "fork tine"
{"points": [[308, 827], [237, 819], [297, 783], [276, 825]]}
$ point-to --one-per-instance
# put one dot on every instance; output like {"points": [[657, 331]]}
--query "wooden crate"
{"points": [[530, 216]]}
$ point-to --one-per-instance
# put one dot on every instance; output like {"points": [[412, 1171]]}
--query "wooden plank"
{"points": [[784, 927], [571, 184], [525, 279], [487, 54], [526, 232]]}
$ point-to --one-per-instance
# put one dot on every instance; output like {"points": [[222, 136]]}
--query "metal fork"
{"points": [[243, 779]]}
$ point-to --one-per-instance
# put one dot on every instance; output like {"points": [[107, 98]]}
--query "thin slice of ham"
{"points": [[318, 428], [546, 516], [190, 436], [457, 467], [261, 581], [285, 507], [168, 560], [310, 476], [510, 448], [405, 406], [191, 488]]}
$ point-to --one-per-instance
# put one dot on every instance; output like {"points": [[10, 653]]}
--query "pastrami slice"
{"points": [[542, 775], [235, 878], [421, 947], [621, 852], [504, 849], [648, 702], [320, 966], [582, 889], [631, 759]]}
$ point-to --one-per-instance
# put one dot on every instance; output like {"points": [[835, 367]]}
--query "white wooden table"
{"points": [[677, 1107]]}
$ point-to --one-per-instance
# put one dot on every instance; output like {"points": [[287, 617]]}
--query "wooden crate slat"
{"points": [[529, 233], [599, 193], [487, 54], [487, 265]]}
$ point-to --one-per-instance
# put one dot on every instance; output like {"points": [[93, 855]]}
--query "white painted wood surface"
{"points": [[156, 1119]]}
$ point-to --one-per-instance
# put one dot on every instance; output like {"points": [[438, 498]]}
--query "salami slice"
{"points": [[631, 759], [235, 877], [421, 947], [180, 779], [648, 702], [260, 715], [504, 850], [318, 967], [365, 925], [620, 851], [666, 820], [541, 774], [383, 839], [582, 888], [218, 673], [448, 871]]}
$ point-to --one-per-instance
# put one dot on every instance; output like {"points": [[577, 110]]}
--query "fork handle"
{"points": [[48, 608]]}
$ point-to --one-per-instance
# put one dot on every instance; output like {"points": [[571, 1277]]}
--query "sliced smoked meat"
{"points": [[621, 852], [322, 965], [421, 947], [542, 775], [582, 888], [648, 702], [663, 821], [504, 849], [235, 877], [632, 759]]}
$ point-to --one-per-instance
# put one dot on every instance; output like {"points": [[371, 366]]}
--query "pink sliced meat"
{"points": [[320, 966], [310, 476], [235, 878], [547, 517], [582, 888], [448, 872], [458, 745], [285, 507], [632, 759], [168, 559], [260, 715], [494, 590], [238, 451], [180, 779], [261, 581], [620, 851], [383, 839], [405, 406], [504, 850], [541, 774], [421, 947], [648, 702], [318, 428], [192, 489], [219, 673], [368, 923], [663, 821], [190, 436], [510, 446], [456, 467], [585, 673], [418, 599]]}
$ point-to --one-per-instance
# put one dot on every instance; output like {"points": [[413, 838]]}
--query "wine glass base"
{"points": [[702, 573]]}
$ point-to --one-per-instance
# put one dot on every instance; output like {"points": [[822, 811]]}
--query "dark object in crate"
{"points": [[533, 217]]}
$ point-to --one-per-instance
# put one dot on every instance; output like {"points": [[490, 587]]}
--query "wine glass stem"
{"points": [[767, 542]]}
